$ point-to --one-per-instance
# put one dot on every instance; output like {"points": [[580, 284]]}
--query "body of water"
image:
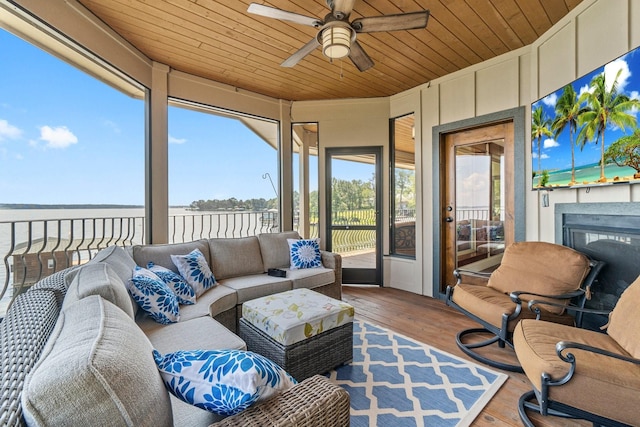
{"points": [[185, 228], [588, 174]]}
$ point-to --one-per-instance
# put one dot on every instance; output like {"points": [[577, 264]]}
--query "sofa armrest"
{"points": [[313, 402], [333, 261]]}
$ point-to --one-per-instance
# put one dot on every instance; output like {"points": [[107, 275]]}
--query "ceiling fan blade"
{"points": [[359, 57], [343, 7], [301, 53], [402, 21], [272, 12]]}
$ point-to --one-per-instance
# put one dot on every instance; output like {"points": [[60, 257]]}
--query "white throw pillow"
{"points": [[193, 267], [304, 253]]}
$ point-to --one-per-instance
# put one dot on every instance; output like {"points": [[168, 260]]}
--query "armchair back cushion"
{"points": [[624, 321], [540, 267]]}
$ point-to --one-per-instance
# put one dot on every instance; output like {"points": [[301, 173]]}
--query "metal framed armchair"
{"points": [[529, 270], [584, 374]]}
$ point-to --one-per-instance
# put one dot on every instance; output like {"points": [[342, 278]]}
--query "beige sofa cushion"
{"points": [[256, 286], [275, 249], [118, 259], [97, 365], [161, 254], [99, 279], [202, 333], [310, 278], [540, 267], [187, 415], [211, 303], [624, 322], [235, 257]]}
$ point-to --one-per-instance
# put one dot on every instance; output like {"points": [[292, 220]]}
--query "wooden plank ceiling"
{"points": [[219, 40]]}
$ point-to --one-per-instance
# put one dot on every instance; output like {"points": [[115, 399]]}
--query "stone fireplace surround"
{"points": [[609, 232]]}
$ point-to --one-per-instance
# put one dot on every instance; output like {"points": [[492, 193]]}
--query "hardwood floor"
{"points": [[430, 321]]}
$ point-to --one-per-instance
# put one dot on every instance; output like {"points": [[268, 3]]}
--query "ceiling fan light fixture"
{"points": [[336, 41]]}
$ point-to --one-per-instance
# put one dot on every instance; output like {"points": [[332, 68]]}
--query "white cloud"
{"points": [[550, 100], [611, 70], [584, 89], [173, 140], [550, 143], [542, 156], [112, 125], [8, 131], [58, 137]]}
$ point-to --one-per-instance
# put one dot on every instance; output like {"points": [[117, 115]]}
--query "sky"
{"points": [[68, 138], [556, 153]]}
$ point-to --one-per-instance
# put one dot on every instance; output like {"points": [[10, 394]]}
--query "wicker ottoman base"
{"points": [[315, 355]]}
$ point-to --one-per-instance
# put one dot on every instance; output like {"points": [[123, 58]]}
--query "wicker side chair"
{"points": [[583, 374], [529, 270], [330, 406]]}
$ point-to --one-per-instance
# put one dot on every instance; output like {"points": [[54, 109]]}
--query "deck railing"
{"points": [[33, 249]]}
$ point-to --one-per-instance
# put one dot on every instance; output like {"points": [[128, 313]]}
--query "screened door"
{"points": [[353, 214]]}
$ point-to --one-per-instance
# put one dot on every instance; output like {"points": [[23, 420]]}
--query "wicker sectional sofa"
{"points": [[77, 351]]}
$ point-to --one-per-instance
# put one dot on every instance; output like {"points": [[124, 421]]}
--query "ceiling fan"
{"points": [[337, 35]]}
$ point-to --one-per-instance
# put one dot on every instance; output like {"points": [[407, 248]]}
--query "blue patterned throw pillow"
{"points": [[195, 270], [154, 296], [185, 293], [225, 382], [304, 253]]}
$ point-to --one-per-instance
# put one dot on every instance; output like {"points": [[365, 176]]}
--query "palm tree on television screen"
{"points": [[540, 127], [568, 109], [604, 106]]}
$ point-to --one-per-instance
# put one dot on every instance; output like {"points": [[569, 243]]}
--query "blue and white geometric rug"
{"points": [[397, 381]]}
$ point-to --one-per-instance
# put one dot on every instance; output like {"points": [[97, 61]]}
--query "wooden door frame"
{"points": [[517, 115]]}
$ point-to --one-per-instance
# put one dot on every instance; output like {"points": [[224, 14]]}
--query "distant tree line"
{"points": [[234, 204], [347, 195]]}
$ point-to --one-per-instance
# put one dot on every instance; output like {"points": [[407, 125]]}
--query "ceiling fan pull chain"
{"points": [[341, 75]]}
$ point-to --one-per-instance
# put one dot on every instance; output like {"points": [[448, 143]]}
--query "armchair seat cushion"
{"points": [[490, 304], [600, 382], [540, 267]]}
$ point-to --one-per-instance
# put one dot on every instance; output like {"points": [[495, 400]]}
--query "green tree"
{"points": [[540, 127], [568, 109], [405, 185], [625, 152], [604, 106]]}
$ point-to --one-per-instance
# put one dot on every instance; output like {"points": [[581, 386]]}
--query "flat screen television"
{"points": [[586, 133]]}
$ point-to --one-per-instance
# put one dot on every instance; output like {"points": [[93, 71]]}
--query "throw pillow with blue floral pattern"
{"points": [[225, 382], [185, 293], [154, 296], [304, 253], [193, 267]]}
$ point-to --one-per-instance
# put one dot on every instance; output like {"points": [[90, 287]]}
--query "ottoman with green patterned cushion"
{"points": [[303, 331]]}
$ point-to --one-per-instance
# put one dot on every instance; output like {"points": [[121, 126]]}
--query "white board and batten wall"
{"points": [[591, 35]]}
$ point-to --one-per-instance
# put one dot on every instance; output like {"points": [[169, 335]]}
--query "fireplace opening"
{"points": [[614, 239]]}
